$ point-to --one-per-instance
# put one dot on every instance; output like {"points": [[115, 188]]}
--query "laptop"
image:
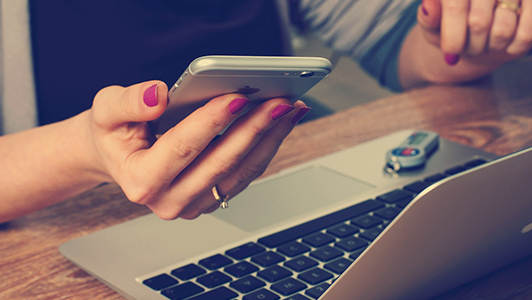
{"points": [[338, 227]]}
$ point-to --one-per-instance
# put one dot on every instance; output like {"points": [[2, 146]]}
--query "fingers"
{"points": [[504, 25], [175, 174], [178, 147], [232, 161], [480, 21], [498, 29], [256, 162], [522, 41], [115, 106], [454, 26]]}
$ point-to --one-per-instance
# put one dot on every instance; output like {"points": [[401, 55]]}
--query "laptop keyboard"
{"points": [[298, 263]]}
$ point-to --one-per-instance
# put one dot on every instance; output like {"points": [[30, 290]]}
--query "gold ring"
{"points": [[509, 6], [221, 199]]}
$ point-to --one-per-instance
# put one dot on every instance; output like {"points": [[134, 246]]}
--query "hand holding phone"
{"points": [[258, 77]]}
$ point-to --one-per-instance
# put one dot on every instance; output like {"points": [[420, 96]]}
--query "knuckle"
{"points": [[125, 104], [224, 167], [184, 151], [504, 30], [216, 124], [257, 129], [501, 36], [478, 22], [139, 194], [248, 174]]}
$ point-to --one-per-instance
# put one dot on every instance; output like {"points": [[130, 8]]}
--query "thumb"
{"points": [[115, 105]]}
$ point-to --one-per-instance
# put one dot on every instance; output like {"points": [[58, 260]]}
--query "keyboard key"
{"points": [[213, 279], [475, 163], [183, 291], [216, 261], [297, 297], [357, 253], [455, 170], [318, 239], [301, 263], [293, 233], [261, 294], [351, 244], [326, 253], [338, 266], [403, 203], [267, 259], [247, 284], [160, 282], [317, 291], [293, 249], [342, 230], [288, 286], [315, 276], [435, 178], [394, 196], [366, 221], [388, 213], [187, 272], [221, 293], [245, 251], [274, 273], [241, 269], [417, 186], [372, 234]]}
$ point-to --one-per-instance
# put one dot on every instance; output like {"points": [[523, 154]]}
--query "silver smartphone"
{"points": [[258, 77]]}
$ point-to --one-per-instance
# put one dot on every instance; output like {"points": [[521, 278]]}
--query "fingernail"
{"points": [[281, 111], [424, 10], [238, 105], [150, 96], [300, 114], [451, 59]]}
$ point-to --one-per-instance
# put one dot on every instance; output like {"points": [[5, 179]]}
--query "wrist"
{"points": [[87, 159]]}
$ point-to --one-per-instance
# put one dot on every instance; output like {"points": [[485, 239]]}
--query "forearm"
{"points": [[44, 166], [422, 63]]}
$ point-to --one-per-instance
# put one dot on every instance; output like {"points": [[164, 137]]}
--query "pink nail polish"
{"points": [[281, 111], [238, 105], [451, 59], [300, 114], [150, 96], [424, 10]]}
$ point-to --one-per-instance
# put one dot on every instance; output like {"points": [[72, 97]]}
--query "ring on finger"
{"points": [[511, 6], [220, 198]]}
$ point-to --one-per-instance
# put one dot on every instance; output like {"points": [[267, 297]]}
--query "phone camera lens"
{"points": [[306, 74]]}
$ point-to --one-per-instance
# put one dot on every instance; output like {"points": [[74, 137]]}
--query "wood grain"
{"points": [[494, 114]]}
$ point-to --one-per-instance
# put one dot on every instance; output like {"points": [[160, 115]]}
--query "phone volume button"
{"points": [[175, 87]]}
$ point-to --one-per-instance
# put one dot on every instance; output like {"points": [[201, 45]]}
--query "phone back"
{"points": [[258, 77]]}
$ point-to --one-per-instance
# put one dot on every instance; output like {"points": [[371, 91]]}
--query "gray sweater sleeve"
{"points": [[369, 31]]}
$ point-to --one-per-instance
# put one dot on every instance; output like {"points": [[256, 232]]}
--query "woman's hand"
{"points": [[484, 31], [174, 175]]}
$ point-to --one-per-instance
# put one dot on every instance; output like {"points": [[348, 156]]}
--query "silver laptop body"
{"points": [[457, 229]]}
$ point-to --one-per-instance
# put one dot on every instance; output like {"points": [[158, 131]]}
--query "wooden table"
{"points": [[493, 114]]}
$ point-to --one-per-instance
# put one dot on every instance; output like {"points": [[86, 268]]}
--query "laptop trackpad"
{"points": [[275, 200]]}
